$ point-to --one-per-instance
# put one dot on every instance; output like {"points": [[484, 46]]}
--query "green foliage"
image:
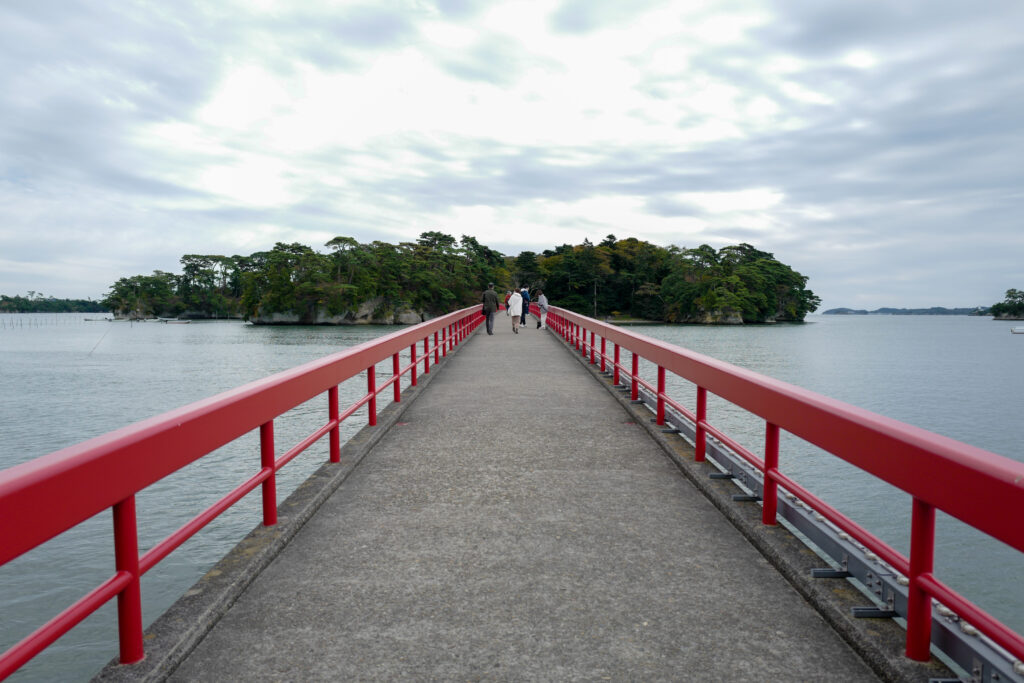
{"points": [[643, 280], [436, 274], [145, 296], [1011, 307], [36, 302]]}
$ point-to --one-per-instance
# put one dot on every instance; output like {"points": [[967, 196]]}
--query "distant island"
{"points": [[406, 283], [36, 302], [935, 310]]}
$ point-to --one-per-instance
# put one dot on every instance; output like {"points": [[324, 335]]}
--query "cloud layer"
{"points": [[875, 147]]}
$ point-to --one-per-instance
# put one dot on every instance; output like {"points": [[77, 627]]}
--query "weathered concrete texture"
{"points": [[518, 524]]}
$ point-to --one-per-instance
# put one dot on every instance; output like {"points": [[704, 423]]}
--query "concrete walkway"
{"points": [[518, 524]]}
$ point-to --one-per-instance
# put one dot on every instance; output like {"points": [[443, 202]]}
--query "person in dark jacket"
{"points": [[490, 300], [526, 305]]}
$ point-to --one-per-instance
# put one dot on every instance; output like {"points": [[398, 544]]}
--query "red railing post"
{"points": [[634, 393], [412, 362], [444, 341], [426, 354], [603, 351], [661, 396], [437, 350], [129, 600], [919, 603], [615, 366], [332, 415], [371, 389], [591, 347], [270, 483], [576, 328], [396, 367], [770, 497], [701, 439]]}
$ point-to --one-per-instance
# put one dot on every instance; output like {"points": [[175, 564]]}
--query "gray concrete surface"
{"points": [[516, 523]]}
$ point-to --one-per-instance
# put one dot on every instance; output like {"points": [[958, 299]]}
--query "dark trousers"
{"points": [[490, 322], [526, 309]]}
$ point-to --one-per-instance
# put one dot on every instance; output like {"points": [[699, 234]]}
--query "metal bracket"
{"points": [[829, 573], [743, 498], [873, 613], [722, 475]]}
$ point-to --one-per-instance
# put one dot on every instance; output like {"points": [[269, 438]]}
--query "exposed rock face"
{"points": [[719, 318], [408, 317], [371, 312]]}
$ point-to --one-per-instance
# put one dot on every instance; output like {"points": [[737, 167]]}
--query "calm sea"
{"points": [[64, 379]]}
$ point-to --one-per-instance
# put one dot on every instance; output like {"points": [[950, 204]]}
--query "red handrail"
{"points": [[55, 492], [982, 489]]}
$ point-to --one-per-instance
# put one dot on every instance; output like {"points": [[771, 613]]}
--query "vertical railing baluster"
{"points": [[437, 351], [770, 495], [634, 393], [603, 352], [615, 367], [129, 600], [270, 483], [426, 354], [922, 558], [701, 439], [396, 367], [660, 419], [413, 363], [332, 415], [371, 389], [591, 347], [444, 341]]}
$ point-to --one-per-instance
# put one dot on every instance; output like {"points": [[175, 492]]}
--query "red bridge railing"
{"points": [[980, 488], [58, 491]]}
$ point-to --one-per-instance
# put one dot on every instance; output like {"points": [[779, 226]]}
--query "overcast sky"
{"points": [[877, 147]]}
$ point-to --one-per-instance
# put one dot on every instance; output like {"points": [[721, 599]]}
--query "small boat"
{"points": [[177, 322], [1017, 330]]}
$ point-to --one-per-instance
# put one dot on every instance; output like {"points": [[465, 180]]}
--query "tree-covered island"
{"points": [[37, 302], [385, 283], [1010, 308]]}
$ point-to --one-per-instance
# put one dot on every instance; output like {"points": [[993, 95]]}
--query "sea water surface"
{"points": [[64, 379]]}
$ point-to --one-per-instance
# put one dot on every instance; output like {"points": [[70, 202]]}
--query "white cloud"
{"points": [[526, 124]]}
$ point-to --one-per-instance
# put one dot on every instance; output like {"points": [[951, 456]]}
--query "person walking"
{"points": [[490, 300], [515, 309], [508, 295], [525, 293], [542, 304]]}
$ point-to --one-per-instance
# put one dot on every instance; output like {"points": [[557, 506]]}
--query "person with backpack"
{"points": [[525, 293]]}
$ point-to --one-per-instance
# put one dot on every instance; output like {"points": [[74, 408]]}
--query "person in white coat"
{"points": [[515, 309]]}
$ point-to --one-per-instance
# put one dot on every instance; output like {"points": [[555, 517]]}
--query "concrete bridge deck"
{"points": [[516, 522]]}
